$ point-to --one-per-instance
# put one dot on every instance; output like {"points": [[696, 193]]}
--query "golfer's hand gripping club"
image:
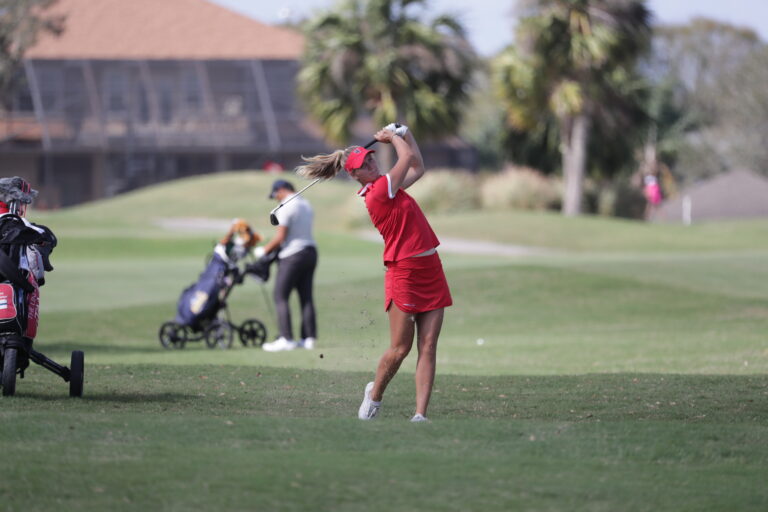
{"points": [[399, 129]]}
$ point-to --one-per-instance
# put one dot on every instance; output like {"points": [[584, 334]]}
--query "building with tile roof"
{"points": [[136, 92]]}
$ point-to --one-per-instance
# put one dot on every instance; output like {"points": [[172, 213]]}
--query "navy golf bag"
{"points": [[202, 300], [202, 313]]}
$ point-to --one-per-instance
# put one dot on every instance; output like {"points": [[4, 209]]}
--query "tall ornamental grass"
{"points": [[522, 189]]}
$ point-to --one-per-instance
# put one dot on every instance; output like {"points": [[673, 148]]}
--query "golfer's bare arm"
{"points": [[279, 238], [406, 159], [417, 169]]}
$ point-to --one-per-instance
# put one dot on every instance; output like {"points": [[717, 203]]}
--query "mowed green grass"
{"points": [[622, 369]]}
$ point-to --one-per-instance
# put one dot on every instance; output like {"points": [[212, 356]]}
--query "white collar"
{"points": [[364, 190]]}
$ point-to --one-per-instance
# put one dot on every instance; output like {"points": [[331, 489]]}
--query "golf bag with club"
{"points": [[25, 250], [202, 312]]}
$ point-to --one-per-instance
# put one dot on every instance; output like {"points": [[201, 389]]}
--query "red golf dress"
{"points": [[415, 284]]}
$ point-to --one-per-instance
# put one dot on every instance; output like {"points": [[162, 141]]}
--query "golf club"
{"points": [[273, 218]]}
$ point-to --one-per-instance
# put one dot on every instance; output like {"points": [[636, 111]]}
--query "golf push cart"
{"points": [[202, 312], [25, 249]]}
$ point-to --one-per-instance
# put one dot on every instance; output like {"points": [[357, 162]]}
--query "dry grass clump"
{"points": [[446, 191], [355, 214], [438, 191], [443, 190], [521, 188]]}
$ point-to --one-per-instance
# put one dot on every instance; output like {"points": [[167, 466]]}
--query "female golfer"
{"points": [[415, 288]]}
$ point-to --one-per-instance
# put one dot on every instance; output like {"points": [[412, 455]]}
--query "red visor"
{"points": [[356, 158]]}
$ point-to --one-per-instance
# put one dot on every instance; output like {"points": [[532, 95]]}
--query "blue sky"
{"points": [[490, 22]]}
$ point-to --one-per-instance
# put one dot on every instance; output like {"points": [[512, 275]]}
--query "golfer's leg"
{"points": [[283, 286], [428, 325], [304, 287], [401, 331]]}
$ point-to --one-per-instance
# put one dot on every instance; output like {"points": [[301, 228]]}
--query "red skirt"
{"points": [[416, 285]]}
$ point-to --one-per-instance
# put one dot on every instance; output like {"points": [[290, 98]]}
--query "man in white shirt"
{"points": [[297, 261]]}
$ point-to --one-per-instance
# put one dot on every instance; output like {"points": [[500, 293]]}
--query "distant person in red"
{"points": [[274, 167], [652, 193], [415, 289]]}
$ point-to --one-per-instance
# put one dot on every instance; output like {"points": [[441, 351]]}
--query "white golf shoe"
{"points": [[418, 418], [307, 343], [279, 345], [368, 409]]}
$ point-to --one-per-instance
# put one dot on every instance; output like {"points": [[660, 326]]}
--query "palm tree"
{"points": [[574, 61], [375, 57]]}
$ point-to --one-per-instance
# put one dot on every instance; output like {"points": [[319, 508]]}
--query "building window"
{"points": [[165, 99], [115, 91], [22, 101], [191, 91], [145, 110], [50, 81]]}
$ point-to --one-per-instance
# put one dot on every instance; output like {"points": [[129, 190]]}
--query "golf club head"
{"points": [[273, 219]]}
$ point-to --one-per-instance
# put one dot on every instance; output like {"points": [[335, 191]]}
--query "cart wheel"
{"points": [[172, 335], [219, 334], [252, 331], [76, 373], [9, 372]]}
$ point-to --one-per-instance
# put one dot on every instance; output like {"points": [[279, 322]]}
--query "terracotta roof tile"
{"points": [[163, 29]]}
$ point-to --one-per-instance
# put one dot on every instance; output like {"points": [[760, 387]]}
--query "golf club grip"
{"points": [[374, 141]]}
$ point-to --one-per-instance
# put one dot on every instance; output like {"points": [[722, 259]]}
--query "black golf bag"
{"points": [[24, 259], [25, 249]]}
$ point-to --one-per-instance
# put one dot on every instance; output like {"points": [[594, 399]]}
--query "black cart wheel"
{"points": [[76, 373], [9, 371], [219, 334], [252, 332], [172, 335]]}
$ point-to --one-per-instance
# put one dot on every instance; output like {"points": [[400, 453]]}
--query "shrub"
{"points": [[630, 202], [621, 199], [442, 190], [521, 188], [354, 213], [439, 190]]}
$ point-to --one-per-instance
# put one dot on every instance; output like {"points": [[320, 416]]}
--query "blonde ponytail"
{"points": [[324, 166]]}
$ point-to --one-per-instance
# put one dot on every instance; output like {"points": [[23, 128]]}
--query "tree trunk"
{"points": [[574, 152]]}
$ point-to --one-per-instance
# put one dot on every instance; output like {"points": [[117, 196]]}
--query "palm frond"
{"points": [[372, 58]]}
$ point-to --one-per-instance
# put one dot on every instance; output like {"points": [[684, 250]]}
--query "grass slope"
{"points": [[624, 370]]}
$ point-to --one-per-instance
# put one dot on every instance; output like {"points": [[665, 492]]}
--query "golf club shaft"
{"points": [[293, 196], [273, 218], [371, 143]]}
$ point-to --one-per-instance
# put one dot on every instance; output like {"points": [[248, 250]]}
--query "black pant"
{"points": [[296, 272]]}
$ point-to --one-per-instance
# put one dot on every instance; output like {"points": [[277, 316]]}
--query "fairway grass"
{"points": [[624, 368], [263, 438]]}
